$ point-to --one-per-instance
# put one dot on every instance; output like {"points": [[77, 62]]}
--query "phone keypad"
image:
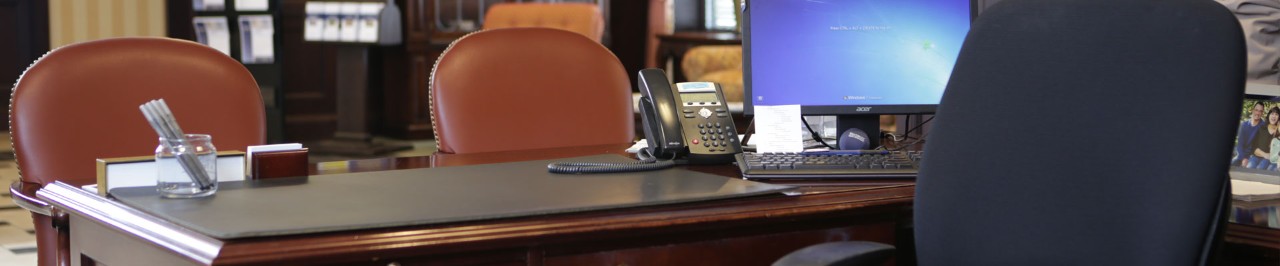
{"points": [[715, 136], [707, 124]]}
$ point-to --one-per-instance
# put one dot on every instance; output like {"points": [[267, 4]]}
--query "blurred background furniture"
{"points": [[582, 18], [675, 45], [1074, 189], [721, 64], [528, 88], [80, 102]]}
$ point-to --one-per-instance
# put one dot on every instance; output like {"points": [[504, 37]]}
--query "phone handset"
{"points": [[659, 114]]}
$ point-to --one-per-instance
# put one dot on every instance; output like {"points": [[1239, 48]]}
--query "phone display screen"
{"points": [[699, 97]]}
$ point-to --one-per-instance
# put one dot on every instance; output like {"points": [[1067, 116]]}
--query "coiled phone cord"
{"points": [[647, 162]]}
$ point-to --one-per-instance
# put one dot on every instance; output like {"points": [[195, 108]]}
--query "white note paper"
{"points": [[1251, 191], [778, 129]]}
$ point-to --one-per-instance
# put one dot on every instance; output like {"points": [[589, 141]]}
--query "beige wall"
{"points": [[73, 21]]}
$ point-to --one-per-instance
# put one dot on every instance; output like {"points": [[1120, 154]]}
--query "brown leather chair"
{"points": [[582, 18], [528, 88], [80, 102]]}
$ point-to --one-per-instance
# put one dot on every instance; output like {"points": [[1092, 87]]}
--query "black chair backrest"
{"points": [[1083, 132]]}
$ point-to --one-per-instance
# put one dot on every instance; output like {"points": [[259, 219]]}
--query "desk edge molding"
{"points": [[191, 245]]}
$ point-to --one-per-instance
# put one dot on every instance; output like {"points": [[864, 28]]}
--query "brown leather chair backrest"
{"points": [[528, 88], [582, 18], [80, 102]]}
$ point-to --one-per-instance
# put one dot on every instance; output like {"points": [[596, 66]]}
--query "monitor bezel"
{"points": [[748, 108]]}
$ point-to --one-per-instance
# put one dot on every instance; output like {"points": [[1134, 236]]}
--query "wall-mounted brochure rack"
{"points": [[246, 31]]}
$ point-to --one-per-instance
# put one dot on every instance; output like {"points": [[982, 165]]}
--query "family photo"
{"points": [[1258, 138]]}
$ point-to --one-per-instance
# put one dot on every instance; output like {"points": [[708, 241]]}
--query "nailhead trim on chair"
{"points": [[12, 93], [431, 93]]}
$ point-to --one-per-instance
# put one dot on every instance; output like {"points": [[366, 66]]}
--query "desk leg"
{"points": [[61, 224]]}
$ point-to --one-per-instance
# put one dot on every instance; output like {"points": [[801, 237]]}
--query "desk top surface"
{"points": [[1264, 214], [818, 203], [352, 201]]}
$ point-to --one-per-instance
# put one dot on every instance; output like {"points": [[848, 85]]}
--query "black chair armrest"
{"points": [[25, 196], [839, 253]]}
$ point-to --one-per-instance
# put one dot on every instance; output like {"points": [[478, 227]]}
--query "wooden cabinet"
{"points": [[400, 75], [26, 35], [429, 27], [406, 73]]}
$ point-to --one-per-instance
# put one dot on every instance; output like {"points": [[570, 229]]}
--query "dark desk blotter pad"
{"points": [[326, 203]]}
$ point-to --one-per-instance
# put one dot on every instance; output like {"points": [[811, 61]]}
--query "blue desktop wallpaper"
{"points": [[854, 52]]}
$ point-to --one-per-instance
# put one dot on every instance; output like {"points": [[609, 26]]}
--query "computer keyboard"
{"points": [[829, 165]]}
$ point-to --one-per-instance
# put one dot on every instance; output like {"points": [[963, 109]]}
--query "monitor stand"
{"points": [[868, 123]]}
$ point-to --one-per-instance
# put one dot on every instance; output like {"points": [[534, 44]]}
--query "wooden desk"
{"points": [[744, 231], [747, 231], [673, 46]]}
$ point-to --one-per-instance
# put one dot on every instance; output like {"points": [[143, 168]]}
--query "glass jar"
{"points": [[172, 180]]}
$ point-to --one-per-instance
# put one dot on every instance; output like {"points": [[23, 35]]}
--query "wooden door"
{"points": [[23, 39]]}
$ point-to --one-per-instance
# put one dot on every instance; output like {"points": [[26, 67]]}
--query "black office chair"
{"points": [[1078, 132]]}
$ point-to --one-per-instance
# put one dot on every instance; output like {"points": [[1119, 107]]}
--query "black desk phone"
{"points": [[687, 124], [692, 119]]}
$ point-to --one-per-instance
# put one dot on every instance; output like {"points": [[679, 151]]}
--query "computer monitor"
{"points": [[856, 59]]}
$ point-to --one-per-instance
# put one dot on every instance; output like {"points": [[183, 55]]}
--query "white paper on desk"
{"points": [[1251, 191], [257, 39], [639, 145], [213, 31], [778, 129]]}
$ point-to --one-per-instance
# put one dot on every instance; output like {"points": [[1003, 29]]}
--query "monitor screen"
{"points": [[837, 57]]}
